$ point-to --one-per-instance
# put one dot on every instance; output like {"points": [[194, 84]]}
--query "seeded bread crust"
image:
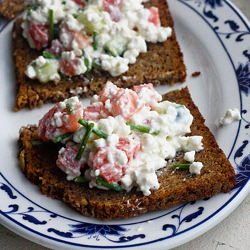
{"points": [[38, 164], [11, 8], [162, 64]]}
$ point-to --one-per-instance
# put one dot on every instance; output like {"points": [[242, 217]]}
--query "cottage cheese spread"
{"points": [[134, 133], [80, 35], [230, 116]]}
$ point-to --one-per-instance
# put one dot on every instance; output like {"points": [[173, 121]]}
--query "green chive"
{"points": [[80, 179], [48, 55], [87, 61], [114, 186], [29, 9], [69, 108], [97, 63], [182, 166], [60, 138], [36, 143], [51, 24], [95, 41], [85, 139], [98, 132], [142, 129]]}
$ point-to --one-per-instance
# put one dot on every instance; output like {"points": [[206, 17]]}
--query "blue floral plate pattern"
{"points": [[220, 36]]}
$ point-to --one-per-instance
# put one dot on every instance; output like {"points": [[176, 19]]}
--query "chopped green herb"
{"points": [[85, 139], [182, 166], [30, 8], [60, 138], [69, 108], [142, 129], [48, 55], [36, 143], [80, 179], [87, 61], [63, 2], [75, 15], [95, 44], [51, 24], [114, 186], [97, 63], [98, 132]]}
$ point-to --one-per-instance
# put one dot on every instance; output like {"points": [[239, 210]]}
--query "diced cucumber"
{"points": [[115, 47], [47, 72], [92, 19]]}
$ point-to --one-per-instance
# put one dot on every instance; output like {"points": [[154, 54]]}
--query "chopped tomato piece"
{"points": [[67, 163], [109, 92], [151, 96], [154, 16], [113, 8], [59, 121], [131, 149], [81, 3], [124, 103], [95, 112], [111, 172], [56, 47], [67, 37], [81, 39], [69, 67], [39, 34]]}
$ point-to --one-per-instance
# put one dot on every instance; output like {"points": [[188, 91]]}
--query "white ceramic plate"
{"points": [[215, 40]]}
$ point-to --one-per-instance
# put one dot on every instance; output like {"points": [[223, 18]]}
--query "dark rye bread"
{"points": [[11, 8], [163, 63], [38, 164]]}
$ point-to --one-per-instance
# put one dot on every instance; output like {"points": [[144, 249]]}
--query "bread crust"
{"points": [[162, 64], [11, 8], [38, 164]]}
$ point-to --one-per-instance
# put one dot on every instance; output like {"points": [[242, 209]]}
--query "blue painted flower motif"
{"points": [[8, 190], [188, 218], [243, 76], [243, 175], [214, 3], [244, 171], [96, 231]]}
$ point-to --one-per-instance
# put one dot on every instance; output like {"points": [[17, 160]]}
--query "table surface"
{"points": [[228, 235]]}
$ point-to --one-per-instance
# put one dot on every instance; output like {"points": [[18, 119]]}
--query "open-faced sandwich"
{"points": [[72, 47], [129, 152]]}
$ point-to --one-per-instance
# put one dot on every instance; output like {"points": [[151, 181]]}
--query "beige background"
{"points": [[232, 233]]}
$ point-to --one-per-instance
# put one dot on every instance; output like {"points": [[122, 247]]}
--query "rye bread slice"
{"points": [[38, 164], [162, 64], [11, 8]]}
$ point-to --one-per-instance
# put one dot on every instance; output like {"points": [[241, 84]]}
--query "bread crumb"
{"points": [[196, 74]]}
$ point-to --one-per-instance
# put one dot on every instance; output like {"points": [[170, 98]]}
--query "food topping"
{"points": [[122, 138], [230, 116], [82, 35]]}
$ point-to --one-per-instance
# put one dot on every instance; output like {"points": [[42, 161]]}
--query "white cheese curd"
{"points": [[195, 168], [114, 65], [230, 116], [43, 69], [112, 36], [189, 156]]}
